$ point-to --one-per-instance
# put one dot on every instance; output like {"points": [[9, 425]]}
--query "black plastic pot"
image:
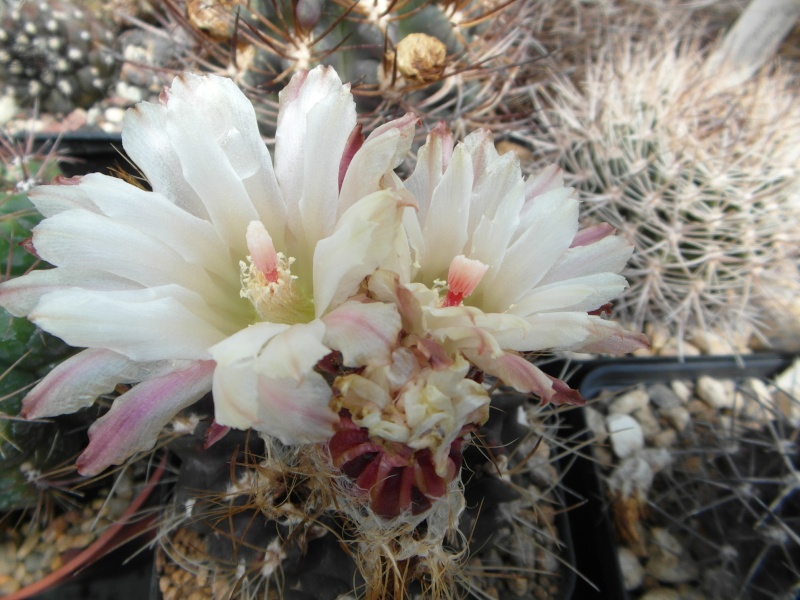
{"points": [[591, 525], [90, 151]]}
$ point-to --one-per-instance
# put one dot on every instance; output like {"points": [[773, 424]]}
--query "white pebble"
{"points": [[677, 417], [632, 570], [627, 437], [629, 402], [716, 393], [681, 389], [114, 114], [669, 562]]}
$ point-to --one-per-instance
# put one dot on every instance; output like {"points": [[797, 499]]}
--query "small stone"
{"points": [[677, 417], [648, 422], [114, 114], [711, 343], [632, 570], [8, 585], [682, 390], [663, 397], [669, 562], [661, 593], [629, 402], [626, 435], [717, 393], [131, 93], [787, 398], [665, 439], [632, 477], [596, 422]]}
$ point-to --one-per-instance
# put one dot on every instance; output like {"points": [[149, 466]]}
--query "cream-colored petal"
{"points": [[364, 332], [363, 238]]}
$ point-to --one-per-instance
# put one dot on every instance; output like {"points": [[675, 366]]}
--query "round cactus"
{"points": [[55, 53], [442, 60], [700, 176]]}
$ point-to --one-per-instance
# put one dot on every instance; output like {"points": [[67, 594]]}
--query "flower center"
{"points": [[268, 283]]}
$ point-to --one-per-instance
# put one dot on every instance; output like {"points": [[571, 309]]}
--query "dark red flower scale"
{"points": [[396, 478]]}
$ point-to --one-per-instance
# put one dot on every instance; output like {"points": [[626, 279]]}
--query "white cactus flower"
{"points": [[496, 265], [235, 273]]}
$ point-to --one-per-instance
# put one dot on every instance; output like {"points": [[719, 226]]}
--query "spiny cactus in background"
{"points": [[452, 60], [241, 520], [701, 177], [28, 450], [55, 53]]}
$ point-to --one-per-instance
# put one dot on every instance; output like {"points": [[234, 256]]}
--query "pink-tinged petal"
{"points": [[363, 237], [609, 337], [365, 333], [520, 374], [580, 332], [592, 234], [608, 255], [548, 179], [432, 160], [161, 323], [234, 387], [265, 380], [354, 143], [383, 151], [19, 296], [137, 417], [78, 381], [296, 411], [214, 433]]}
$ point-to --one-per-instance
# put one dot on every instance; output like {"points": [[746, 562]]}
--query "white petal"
{"points": [[200, 145], [145, 139], [137, 417], [445, 226], [53, 199], [194, 239], [233, 129], [19, 296], [382, 151], [365, 333], [84, 240], [432, 159], [581, 294], [316, 115], [553, 223], [148, 324], [608, 255], [363, 237], [78, 381]]}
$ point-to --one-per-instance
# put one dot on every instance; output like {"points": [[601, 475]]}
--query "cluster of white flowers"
{"points": [[242, 275]]}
